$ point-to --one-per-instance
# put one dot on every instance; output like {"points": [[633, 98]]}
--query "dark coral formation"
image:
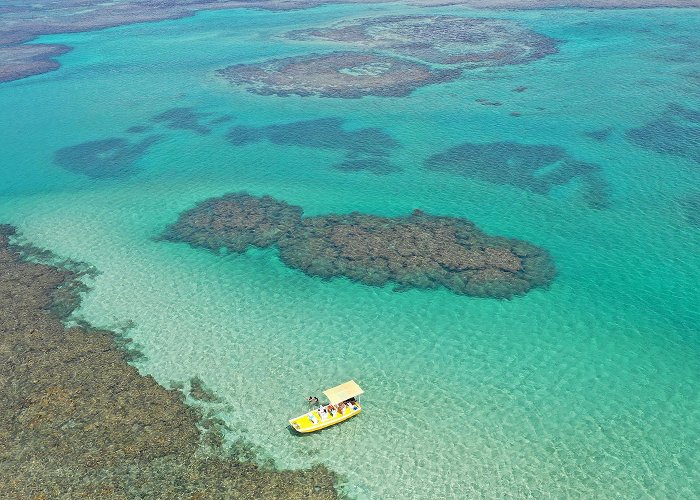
{"points": [[183, 119], [534, 167], [675, 132], [417, 251], [365, 149], [80, 422], [448, 40], [235, 221], [338, 74], [106, 158]]}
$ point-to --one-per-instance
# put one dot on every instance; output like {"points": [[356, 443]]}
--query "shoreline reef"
{"points": [[80, 421]]}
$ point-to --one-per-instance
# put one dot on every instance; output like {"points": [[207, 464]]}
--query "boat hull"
{"points": [[304, 425]]}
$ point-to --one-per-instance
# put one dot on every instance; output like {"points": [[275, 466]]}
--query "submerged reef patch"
{"points": [[183, 119], [675, 132], [533, 167], [138, 129], [337, 74], [690, 206], [106, 158], [446, 40], [416, 251], [80, 422], [599, 135], [366, 148]]}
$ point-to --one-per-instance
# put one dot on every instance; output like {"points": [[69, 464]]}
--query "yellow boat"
{"points": [[317, 419]]}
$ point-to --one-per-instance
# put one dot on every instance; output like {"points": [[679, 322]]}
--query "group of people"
{"points": [[329, 410]]}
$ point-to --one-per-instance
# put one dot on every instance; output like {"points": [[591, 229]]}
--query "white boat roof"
{"points": [[342, 392]]}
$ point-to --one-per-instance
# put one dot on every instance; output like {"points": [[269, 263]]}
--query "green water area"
{"points": [[575, 131]]}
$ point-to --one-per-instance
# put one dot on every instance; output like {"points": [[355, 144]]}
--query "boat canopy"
{"points": [[342, 392]]}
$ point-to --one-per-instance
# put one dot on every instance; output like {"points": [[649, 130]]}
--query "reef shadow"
{"points": [[533, 167], [365, 149], [107, 158]]}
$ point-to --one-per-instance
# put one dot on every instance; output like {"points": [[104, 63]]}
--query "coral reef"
{"points": [[675, 132], [365, 149], [533, 167], [79, 421], [235, 221], [338, 74], [398, 51], [106, 158], [24, 21], [417, 251], [447, 40]]}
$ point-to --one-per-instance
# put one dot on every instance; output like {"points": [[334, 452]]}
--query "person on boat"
{"points": [[323, 412], [312, 418]]}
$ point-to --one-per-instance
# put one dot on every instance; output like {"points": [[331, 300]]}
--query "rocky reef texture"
{"points": [[416, 251], [365, 149], [106, 158], [533, 167], [675, 132], [338, 74], [397, 55], [24, 20], [446, 40], [235, 221], [80, 422]]}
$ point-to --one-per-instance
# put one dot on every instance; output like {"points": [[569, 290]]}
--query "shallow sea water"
{"points": [[586, 389]]}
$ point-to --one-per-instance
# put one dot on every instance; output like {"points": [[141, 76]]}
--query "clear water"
{"points": [[586, 389]]}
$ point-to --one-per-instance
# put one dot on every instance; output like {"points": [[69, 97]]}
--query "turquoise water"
{"points": [[585, 389]]}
